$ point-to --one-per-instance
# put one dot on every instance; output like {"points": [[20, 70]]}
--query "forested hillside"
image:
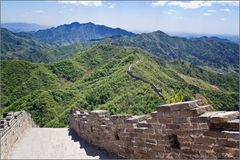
{"points": [[97, 78], [26, 47], [212, 52]]}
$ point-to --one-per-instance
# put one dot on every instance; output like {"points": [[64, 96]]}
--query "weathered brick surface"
{"points": [[175, 131], [12, 126]]}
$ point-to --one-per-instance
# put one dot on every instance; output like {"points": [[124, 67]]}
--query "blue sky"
{"points": [[212, 17]]}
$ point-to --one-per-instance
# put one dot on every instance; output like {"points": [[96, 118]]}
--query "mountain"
{"points": [[76, 32], [14, 46], [99, 78], [212, 52], [23, 27], [26, 47]]}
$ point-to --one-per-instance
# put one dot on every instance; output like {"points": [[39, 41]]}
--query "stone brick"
{"points": [[152, 120], [154, 114], [190, 151], [149, 131], [180, 120], [143, 124], [189, 126], [203, 126], [151, 141], [229, 125], [228, 143], [140, 129], [148, 137], [135, 119], [165, 120], [173, 126], [214, 134], [178, 106], [205, 140], [231, 134], [224, 117], [201, 109]]}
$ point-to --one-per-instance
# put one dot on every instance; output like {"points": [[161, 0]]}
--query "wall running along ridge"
{"points": [[12, 126], [175, 131], [155, 88]]}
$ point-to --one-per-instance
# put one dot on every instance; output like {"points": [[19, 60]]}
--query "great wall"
{"points": [[186, 130], [154, 87], [12, 127]]}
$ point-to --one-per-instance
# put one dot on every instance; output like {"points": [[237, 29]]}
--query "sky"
{"points": [[208, 17]]}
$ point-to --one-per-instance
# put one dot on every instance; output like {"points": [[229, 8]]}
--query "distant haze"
{"points": [[23, 27]]}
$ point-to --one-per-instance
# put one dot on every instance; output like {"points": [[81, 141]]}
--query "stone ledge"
{"points": [[178, 106]]}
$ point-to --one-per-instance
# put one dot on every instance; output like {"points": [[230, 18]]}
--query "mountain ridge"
{"points": [[76, 32], [212, 52]]}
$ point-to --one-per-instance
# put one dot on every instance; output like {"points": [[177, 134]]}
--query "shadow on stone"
{"points": [[90, 149]]}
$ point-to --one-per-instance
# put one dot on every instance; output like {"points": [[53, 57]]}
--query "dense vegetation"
{"points": [[53, 45], [97, 79], [211, 52], [14, 46], [25, 47]]}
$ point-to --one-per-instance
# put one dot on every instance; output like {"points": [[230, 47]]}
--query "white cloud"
{"points": [[211, 11], [190, 4], [223, 19], [207, 14], [84, 3], [225, 10], [234, 3], [38, 11], [193, 4], [159, 3]]}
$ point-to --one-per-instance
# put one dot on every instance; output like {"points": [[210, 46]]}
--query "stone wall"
{"points": [[12, 126], [175, 131], [155, 88]]}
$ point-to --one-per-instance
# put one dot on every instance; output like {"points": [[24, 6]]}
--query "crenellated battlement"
{"points": [[183, 130], [12, 126]]}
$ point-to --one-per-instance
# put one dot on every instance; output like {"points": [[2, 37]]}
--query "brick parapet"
{"points": [[12, 126], [175, 131]]}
